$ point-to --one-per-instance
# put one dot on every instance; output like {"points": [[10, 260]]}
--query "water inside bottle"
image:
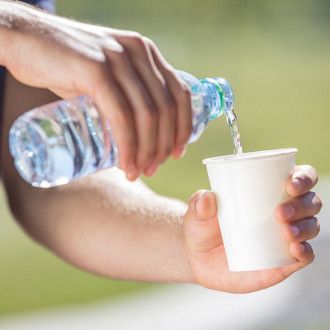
{"points": [[63, 141]]}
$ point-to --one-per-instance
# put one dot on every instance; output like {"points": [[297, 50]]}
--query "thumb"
{"points": [[201, 227], [203, 205]]}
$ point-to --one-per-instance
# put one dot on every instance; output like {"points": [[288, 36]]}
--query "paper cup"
{"points": [[249, 187]]}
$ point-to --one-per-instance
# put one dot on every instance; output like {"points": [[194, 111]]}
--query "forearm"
{"points": [[107, 226]]}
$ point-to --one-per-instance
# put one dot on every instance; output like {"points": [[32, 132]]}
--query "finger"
{"points": [[298, 208], [201, 227], [304, 254], [302, 230], [203, 205], [182, 96], [179, 151], [108, 95], [302, 251], [145, 112], [304, 178], [141, 56]]}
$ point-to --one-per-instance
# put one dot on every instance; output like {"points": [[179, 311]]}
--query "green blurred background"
{"points": [[276, 54]]}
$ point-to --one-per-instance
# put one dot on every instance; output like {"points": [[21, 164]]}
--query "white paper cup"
{"points": [[249, 187]]}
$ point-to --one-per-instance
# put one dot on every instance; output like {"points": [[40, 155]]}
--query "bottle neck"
{"points": [[218, 97]]}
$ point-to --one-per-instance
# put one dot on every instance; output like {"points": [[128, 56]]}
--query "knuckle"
{"points": [[147, 41], [135, 35], [137, 40], [118, 57], [111, 44]]}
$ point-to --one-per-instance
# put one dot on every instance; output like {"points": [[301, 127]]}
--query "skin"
{"points": [[127, 231], [146, 103], [105, 224]]}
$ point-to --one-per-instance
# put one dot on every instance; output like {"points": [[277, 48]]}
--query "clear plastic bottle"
{"points": [[65, 140]]}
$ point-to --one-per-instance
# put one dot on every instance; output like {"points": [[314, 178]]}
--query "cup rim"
{"points": [[248, 156]]}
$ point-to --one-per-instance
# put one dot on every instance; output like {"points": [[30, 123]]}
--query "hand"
{"points": [[136, 90], [205, 249]]}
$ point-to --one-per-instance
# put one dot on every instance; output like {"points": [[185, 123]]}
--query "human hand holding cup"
{"points": [[211, 230], [248, 188]]}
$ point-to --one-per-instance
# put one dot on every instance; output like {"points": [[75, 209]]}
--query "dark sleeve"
{"points": [[48, 5], [2, 85]]}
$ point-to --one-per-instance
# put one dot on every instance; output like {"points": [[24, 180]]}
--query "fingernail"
{"points": [[179, 151], [302, 247], [295, 230], [288, 211], [204, 196], [194, 204], [132, 176], [183, 151], [196, 200], [129, 176], [298, 186]]}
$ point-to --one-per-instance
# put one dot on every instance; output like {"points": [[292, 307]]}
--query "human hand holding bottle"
{"points": [[136, 90]]}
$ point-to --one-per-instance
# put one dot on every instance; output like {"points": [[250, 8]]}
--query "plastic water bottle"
{"points": [[65, 140]]}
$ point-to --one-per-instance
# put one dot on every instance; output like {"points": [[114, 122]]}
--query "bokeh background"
{"points": [[276, 54]]}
